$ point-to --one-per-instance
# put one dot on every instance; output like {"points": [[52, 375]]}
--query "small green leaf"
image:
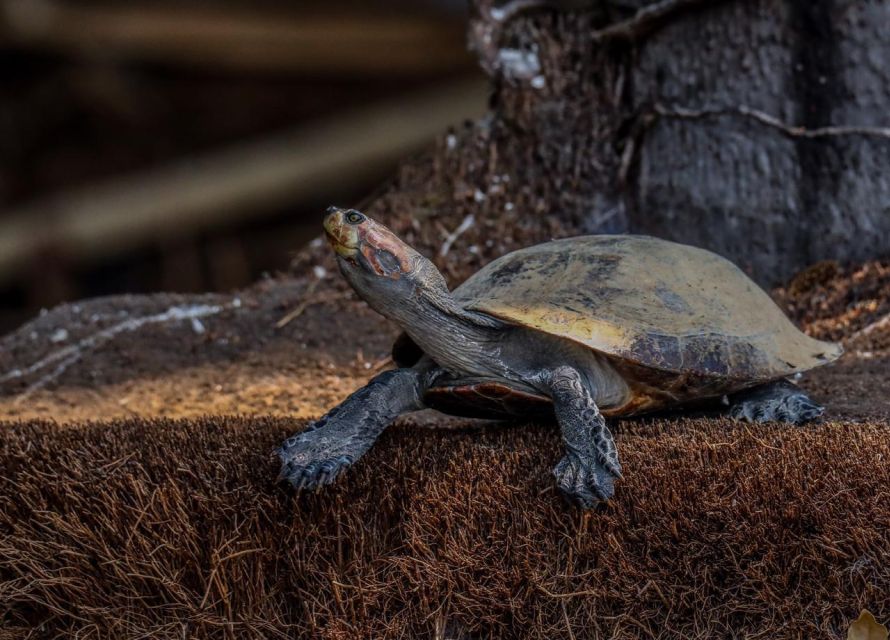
{"points": [[866, 628]]}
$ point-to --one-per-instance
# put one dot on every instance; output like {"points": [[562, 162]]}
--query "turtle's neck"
{"points": [[464, 343]]}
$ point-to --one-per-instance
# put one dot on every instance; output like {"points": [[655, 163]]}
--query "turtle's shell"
{"points": [[650, 302]]}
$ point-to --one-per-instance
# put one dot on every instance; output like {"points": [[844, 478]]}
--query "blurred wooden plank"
{"points": [[237, 183], [239, 39]]}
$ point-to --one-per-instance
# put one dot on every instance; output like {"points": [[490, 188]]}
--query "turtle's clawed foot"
{"points": [[583, 482], [333, 443], [314, 458], [781, 402], [303, 473]]}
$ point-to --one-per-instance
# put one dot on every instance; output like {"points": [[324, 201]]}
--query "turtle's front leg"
{"points": [[587, 473], [316, 456]]}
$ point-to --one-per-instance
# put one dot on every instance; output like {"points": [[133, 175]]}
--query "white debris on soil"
{"points": [[880, 323], [451, 141], [520, 64], [850, 341], [468, 222], [508, 10], [539, 82], [59, 335], [497, 14], [198, 326], [65, 357], [319, 271]]}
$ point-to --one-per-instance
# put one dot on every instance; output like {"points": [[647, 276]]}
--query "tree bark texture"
{"points": [[755, 128]]}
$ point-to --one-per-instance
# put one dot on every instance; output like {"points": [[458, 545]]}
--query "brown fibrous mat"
{"points": [[171, 529]]}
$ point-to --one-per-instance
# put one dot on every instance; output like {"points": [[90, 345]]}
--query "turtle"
{"points": [[580, 329]]}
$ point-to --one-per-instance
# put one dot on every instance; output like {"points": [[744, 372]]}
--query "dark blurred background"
{"points": [[192, 146]]}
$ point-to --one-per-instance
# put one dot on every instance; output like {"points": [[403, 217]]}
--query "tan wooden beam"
{"points": [[238, 39], [246, 180]]}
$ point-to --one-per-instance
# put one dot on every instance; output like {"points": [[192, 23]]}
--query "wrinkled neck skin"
{"points": [[461, 342]]}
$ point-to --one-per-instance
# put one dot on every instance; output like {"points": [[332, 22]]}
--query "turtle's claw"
{"points": [[301, 481], [328, 472]]}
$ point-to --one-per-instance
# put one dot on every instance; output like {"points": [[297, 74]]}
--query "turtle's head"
{"points": [[399, 283], [368, 245], [382, 269]]}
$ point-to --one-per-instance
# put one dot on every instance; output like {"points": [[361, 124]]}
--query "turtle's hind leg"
{"points": [[316, 456], [780, 401]]}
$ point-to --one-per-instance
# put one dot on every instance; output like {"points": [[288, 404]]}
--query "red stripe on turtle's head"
{"points": [[368, 244]]}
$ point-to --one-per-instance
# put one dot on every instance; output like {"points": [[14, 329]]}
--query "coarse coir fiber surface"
{"points": [[172, 529]]}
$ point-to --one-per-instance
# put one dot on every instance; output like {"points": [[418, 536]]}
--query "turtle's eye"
{"points": [[354, 217]]}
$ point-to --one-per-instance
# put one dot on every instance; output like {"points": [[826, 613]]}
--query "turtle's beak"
{"points": [[343, 237]]}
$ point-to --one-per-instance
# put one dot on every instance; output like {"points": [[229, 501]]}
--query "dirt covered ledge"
{"points": [[186, 356]]}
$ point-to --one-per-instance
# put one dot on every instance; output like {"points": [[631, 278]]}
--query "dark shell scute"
{"points": [[709, 354], [660, 351]]}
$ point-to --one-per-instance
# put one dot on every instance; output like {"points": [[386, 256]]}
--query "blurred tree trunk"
{"points": [[755, 128]]}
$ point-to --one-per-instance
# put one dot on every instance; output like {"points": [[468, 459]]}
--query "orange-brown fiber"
{"points": [[165, 528]]}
